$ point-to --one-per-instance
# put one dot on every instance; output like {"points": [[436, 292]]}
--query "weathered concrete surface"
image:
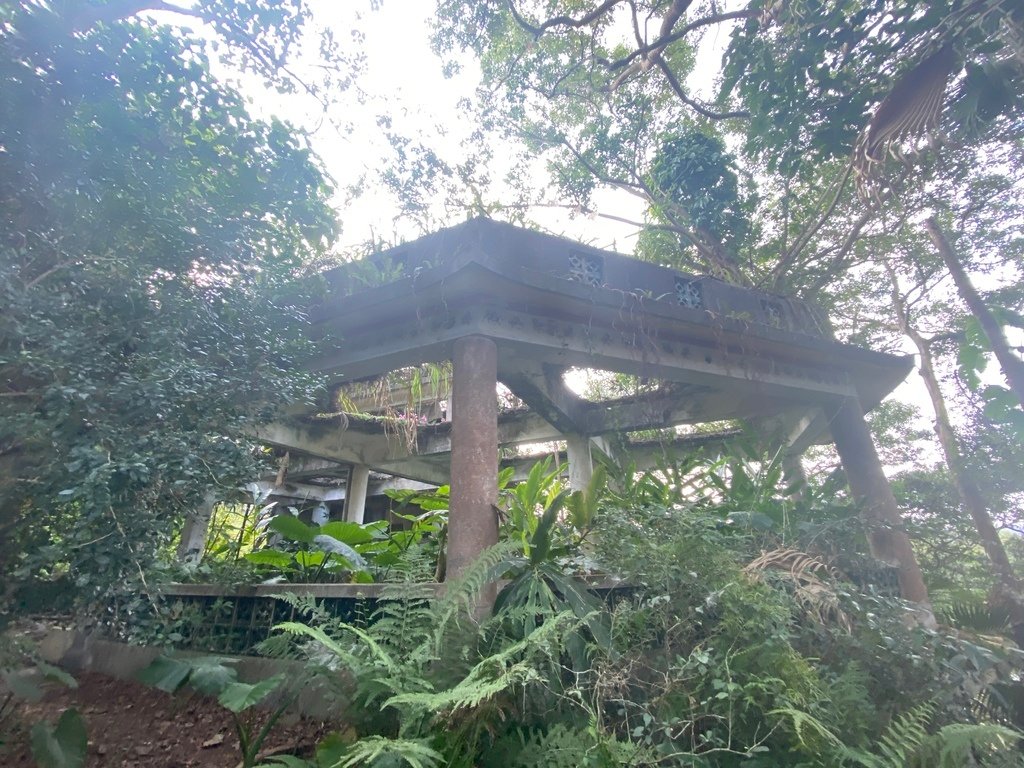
{"points": [[472, 521], [79, 652], [581, 461], [355, 498]]}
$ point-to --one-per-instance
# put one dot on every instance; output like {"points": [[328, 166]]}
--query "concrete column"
{"points": [[889, 542], [794, 476], [193, 532], [472, 522], [581, 461], [355, 493]]}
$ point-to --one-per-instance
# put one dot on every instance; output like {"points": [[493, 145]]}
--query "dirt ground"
{"points": [[132, 726]]}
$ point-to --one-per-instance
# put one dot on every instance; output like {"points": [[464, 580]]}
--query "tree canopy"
{"points": [[151, 233]]}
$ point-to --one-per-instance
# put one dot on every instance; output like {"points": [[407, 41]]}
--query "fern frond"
{"points": [[978, 617], [343, 654], [462, 594], [374, 750], [495, 674], [404, 621], [806, 725], [905, 735], [956, 744]]}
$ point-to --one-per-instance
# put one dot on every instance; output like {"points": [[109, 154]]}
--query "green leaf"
{"points": [[540, 545], [56, 674], [63, 746], [288, 761], [238, 697], [331, 750], [310, 559], [274, 558], [292, 528], [345, 532], [212, 674], [24, 685], [165, 673]]}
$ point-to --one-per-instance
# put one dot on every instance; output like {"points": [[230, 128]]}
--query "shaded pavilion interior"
{"points": [[520, 308]]}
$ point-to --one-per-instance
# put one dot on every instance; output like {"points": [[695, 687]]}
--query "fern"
{"points": [[372, 750], [906, 743], [954, 745], [899, 742], [978, 617], [808, 729], [493, 675], [423, 668]]}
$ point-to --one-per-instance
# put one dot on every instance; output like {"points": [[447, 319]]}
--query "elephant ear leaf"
{"points": [[540, 546], [238, 697], [330, 544], [63, 745], [292, 528]]}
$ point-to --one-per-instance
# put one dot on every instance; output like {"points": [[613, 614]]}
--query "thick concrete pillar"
{"points": [[870, 487], [193, 532], [472, 521], [581, 461], [355, 493]]}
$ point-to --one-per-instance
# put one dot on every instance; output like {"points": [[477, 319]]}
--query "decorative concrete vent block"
{"points": [[689, 293], [587, 269]]}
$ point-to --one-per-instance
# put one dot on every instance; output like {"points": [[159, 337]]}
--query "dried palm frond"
{"points": [[911, 111], [810, 580]]}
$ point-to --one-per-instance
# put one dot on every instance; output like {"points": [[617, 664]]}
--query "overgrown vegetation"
{"points": [[718, 611], [736, 642]]}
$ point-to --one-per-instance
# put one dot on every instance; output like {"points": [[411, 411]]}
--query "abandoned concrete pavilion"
{"points": [[512, 306]]}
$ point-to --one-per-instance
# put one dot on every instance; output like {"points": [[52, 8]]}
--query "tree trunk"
{"points": [[1008, 586], [870, 487], [1013, 366]]}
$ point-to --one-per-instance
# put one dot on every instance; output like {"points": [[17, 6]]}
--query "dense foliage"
{"points": [[150, 235], [727, 645]]}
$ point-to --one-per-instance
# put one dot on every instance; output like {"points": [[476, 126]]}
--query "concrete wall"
{"points": [[79, 652]]}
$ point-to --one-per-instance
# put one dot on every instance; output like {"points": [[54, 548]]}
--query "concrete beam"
{"points": [[301, 491], [335, 441], [543, 389], [433, 469]]}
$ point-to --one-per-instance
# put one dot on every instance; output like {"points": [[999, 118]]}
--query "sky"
{"points": [[403, 79]]}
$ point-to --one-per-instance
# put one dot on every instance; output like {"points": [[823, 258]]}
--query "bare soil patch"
{"points": [[133, 726]]}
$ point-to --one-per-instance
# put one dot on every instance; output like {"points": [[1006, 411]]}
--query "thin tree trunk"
{"points": [[1013, 366], [967, 489]]}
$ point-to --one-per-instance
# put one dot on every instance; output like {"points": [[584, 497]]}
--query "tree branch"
{"points": [[663, 42], [561, 21], [677, 87], [91, 15]]}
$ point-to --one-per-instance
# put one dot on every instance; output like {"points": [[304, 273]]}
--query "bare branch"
{"points": [[677, 88], [562, 21], [679, 34]]}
